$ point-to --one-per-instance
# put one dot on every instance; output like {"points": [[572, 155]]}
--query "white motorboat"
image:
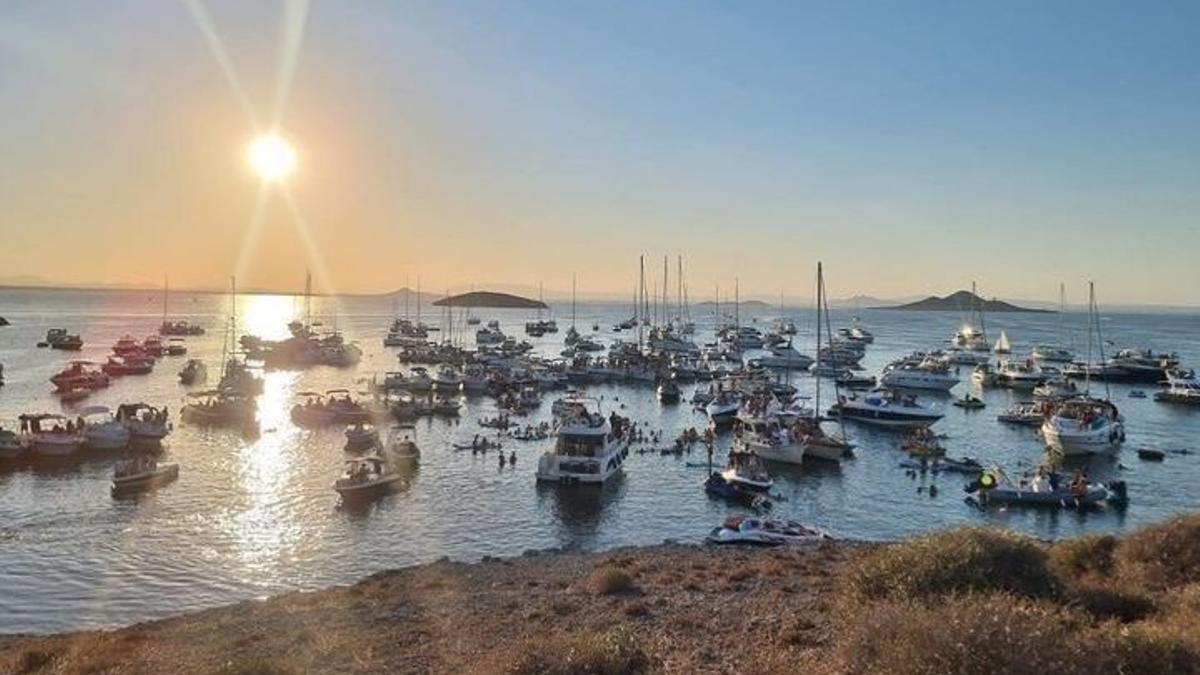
{"points": [[361, 437], [144, 422], [746, 469], [1084, 426], [885, 408], [401, 446], [1019, 375], [51, 434], [1055, 388], [587, 448], [101, 430], [448, 381], [142, 473], [366, 477], [928, 373], [220, 408], [723, 408], [1181, 388], [765, 532], [963, 357], [786, 357], [1052, 353]]}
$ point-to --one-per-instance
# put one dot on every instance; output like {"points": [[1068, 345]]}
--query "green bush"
{"points": [[960, 561]]}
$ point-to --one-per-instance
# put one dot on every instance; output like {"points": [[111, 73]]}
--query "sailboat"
{"points": [[1002, 345], [972, 335], [1056, 352], [805, 438], [572, 334], [176, 327], [1086, 425]]}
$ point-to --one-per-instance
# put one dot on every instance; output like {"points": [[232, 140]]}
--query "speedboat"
{"points": [[80, 375], [1052, 353], [51, 434], [786, 357], [401, 447], [925, 374], [723, 408], [11, 444], [969, 402], [885, 408], [58, 338], [765, 532], [1181, 388], [716, 486], [126, 345], [176, 347], [668, 391], [153, 346], [851, 380], [1084, 426], [1045, 489], [144, 422], [365, 477], [142, 473], [219, 408], [1025, 414], [1055, 388], [746, 469], [101, 430], [132, 363], [587, 448], [361, 437], [193, 371], [448, 381]]}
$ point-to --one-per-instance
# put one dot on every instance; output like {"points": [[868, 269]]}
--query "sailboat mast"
{"points": [[679, 291], [641, 297], [418, 300], [817, 379], [164, 319], [1087, 373], [407, 291], [572, 300], [737, 304]]}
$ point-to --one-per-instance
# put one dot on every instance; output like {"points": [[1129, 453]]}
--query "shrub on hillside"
{"points": [[1087, 556], [615, 652], [943, 564], [1163, 555]]}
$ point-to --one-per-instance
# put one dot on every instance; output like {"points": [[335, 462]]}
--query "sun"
{"points": [[271, 157]]}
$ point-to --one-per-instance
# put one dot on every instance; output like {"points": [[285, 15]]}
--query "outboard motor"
{"points": [[1119, 493]]}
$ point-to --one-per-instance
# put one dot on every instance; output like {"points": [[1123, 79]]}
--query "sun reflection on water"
{"points": [[267, 316]]}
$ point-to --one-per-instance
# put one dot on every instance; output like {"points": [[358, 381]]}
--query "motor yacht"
{"points": [[786, 357], [401, 446], [1084, 426], [723, 408], [928, 373], [219, 407], [746, 469], [144, 422], [126, 345], [360, 437], [885, 408], [59, 338], [101, 430], [1019, 375], [51, 434], [366, 477], [140, 474], [132, 363], [587, 448], [1182, 387], [1052, 353], [80, 375], [448, 381]]}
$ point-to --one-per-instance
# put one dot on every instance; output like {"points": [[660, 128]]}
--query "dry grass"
{"points": [[614, 652], [612, 581], [1088, 556], [1162, 555], [967, 560]]}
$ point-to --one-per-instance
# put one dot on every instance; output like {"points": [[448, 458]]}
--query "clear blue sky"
{"points": [[914, 146]]}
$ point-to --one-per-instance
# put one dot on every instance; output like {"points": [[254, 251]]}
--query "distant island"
{"points": [[962, 301], [490, 299]]}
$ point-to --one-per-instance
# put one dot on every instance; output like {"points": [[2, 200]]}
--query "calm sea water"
{"points": [[251, 518]]}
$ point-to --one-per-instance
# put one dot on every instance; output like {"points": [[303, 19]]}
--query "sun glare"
{"points": [[271, 157]]}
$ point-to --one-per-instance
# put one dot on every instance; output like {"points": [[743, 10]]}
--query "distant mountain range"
{"points": [[750, 304], [961, 301], [490, 299]]}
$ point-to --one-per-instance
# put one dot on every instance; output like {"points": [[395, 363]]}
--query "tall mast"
{"points": [[418, 300], [737, 304], [307, 298], [817, 379], [679, 291], [407, 291], [642, 296], [666, 285], [572, 300], [164, 319], [1087, 373]]}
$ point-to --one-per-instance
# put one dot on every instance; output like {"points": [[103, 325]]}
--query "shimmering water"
{"points": [[250, 518]]}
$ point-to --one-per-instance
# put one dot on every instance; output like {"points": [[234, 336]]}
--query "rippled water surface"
{"points": [[249, 518]]}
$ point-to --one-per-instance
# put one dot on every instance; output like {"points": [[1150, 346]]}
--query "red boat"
{"points": [[80, 375]]}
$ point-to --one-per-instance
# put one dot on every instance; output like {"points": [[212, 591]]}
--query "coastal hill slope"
{"points": [[490, 299], [961, 301], [1099, 604]]}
